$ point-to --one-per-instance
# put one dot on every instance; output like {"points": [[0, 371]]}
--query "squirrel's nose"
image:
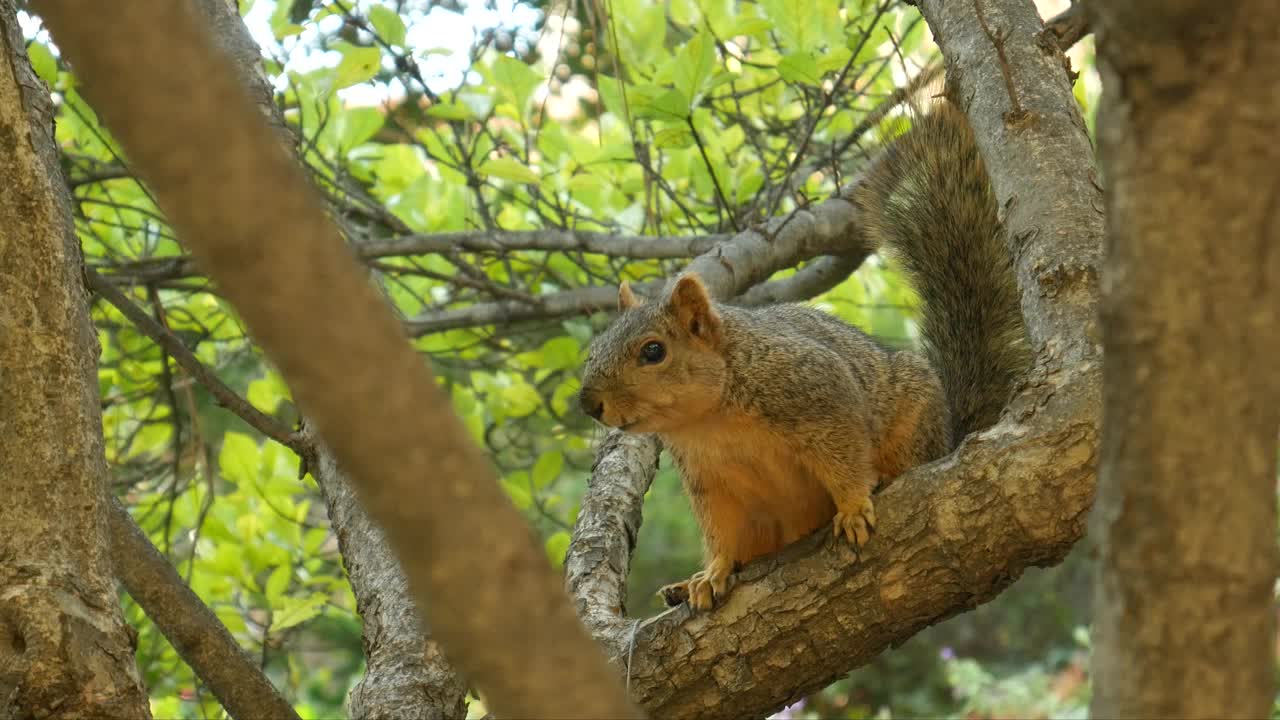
{"points": [[591, 404]]}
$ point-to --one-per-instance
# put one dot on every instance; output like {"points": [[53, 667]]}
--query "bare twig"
{"points": [[997, 39], [1069, 26]]}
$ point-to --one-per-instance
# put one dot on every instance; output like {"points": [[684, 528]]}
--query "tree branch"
{"points": [[952, 533], [636, 247], [813, 279], [200, 638], [1069, 26], [223, 395], [388, 435], [407, 674], [830, 227]]}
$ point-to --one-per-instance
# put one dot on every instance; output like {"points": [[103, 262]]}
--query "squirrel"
{"points": [[784, 418]]}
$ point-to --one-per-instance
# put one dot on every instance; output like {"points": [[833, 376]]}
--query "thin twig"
{"points": [[997, 39]]}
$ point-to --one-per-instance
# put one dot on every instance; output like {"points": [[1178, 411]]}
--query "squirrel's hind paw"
{"points": [[702, 590], [856, 521]]}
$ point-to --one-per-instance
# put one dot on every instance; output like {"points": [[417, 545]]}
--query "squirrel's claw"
{"points": [[707, 586], [675, 593], [702, 590], [857, 522]]}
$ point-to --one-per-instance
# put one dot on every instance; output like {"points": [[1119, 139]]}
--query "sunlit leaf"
{"points": [[388, 24]]}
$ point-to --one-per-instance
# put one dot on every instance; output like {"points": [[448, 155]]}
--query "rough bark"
{"points": [[222, 178], [953, 533], [407, 675], [202, 641], [65, 651], [1185, 523]]}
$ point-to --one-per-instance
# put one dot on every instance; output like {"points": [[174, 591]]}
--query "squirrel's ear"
{"points": [[626, 298], [690, 304]]}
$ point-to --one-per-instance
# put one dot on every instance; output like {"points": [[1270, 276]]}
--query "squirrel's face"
{"points": [[659, 366]]}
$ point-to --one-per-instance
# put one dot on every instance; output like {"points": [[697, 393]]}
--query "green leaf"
{"points": [[673, 137], [282, 25], [517, 491], [515, 79], [557, 545], [312, 540], [359, 64], [239, 458], [508, 169], [356, 126], [234, 621], [547, 468], [694, 65], [295, 611], [751, 26], [448, 110], [560, 353], [277, 583], [388, 24], [670, 105], [800, 67], [43, 62], [521, 398], [266, 393], [834, 59]]}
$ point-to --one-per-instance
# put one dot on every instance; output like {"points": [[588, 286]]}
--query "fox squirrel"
{"points": [[784, 418]]}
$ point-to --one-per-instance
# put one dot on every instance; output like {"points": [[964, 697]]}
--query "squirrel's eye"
{"points": [[652, 352]]}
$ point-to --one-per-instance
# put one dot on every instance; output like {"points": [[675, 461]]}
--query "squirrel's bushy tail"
{"points": [[928, 200]]}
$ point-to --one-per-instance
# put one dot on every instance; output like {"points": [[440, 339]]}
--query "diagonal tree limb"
{"points": [[223, 395], [200, 638], [406, 670], [952, 533], [226, 184]]}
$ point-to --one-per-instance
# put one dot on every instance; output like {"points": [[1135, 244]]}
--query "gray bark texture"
{"points": [[407, 675], [65, 651], [952, 534], [1186, 514], [222, 178]]}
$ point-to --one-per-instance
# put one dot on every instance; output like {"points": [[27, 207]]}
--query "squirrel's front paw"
{"points": [[856, 520], [703, 589], [675, 593]]}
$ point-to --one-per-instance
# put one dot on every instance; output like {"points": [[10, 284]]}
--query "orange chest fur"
{"points": [[751, 489]]}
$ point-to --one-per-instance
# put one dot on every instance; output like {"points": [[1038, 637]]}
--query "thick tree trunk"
{"points": [[65, 651], [1185, 518]]}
